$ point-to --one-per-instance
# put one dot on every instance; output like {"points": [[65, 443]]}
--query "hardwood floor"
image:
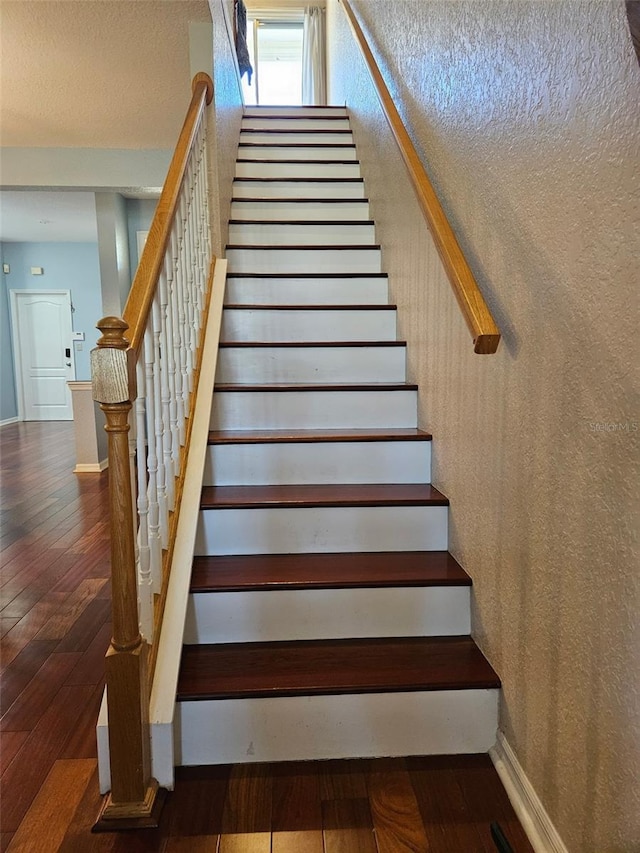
{"points": [[54, 619]]}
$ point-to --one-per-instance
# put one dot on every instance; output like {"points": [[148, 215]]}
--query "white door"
{"points": [[43, 352]]}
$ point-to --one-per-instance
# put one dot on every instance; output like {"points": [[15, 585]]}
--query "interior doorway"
{"points": [[43, 353]]}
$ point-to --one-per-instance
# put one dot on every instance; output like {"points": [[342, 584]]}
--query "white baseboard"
{"points": [[9, 421], [91, 467], [537, 824]]}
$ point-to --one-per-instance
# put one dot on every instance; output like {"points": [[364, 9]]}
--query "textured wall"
{"points": [[527, 115]]}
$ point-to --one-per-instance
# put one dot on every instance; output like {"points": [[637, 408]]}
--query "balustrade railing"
{"points": [[144, 372]]}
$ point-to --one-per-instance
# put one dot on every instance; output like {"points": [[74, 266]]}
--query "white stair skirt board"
{"points": [[442, 722], [282, 110], [309, 325], [360, 290], [256, 365], [294, 260], [313, 409], [300, 169], [321, 529], [282, 463], [315, 614], [337, 151], [535, 820], [295, 124], [302, 234], [300, 210], [306, 137], [267, 189]]}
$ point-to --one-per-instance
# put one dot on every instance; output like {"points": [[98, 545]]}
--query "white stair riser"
{"points": [[252, 151], [275, 530], [264, 324], [311, 291], [298, 189], [281, 260], [301, 234], [314, 410], [297, 170], [325, 137], [318, 614], [300, 210], [279, 110], [252, 123], [441, 722], [315, 463], [311, 364]]}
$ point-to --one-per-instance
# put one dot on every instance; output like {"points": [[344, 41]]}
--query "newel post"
{"points": [[133, 792]]}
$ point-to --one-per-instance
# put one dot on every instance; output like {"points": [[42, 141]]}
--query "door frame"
{"points": [[14, 295]]}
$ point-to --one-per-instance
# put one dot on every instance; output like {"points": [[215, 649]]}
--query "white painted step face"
{"points": [[253, 151], [302, 233], [284, 530], [318, 614], [307, 364], [296, 169], [291, 463], [301, 188], [314, 409], [267, 123], [300, 210], [284, 110], [307, 137], [439, 722], [308, 325], [358, 290], [295, 260]]}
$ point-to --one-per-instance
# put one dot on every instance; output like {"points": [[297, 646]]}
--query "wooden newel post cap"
{"points": [[113, 329]]}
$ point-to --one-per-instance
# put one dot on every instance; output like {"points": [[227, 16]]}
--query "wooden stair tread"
{"points": [[315, 436], [255, 306], [297, 180], [320, 145], [326, 571], [298, 162], [319, 386], [309, 275], [323, 495], [308, 344], [299, 200], [300, 668], [306, 222], [292, 247]]}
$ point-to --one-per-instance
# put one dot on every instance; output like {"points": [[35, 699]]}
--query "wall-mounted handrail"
{"points": [[144, 374], [478, 318]]}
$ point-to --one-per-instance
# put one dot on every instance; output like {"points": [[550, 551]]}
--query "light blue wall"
{"points": [[139, 215], [8, 405], [67, 266]]}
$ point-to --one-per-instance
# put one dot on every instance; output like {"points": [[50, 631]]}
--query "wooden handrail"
{"points": [[149, 358], [136, 311], [482, 326]]}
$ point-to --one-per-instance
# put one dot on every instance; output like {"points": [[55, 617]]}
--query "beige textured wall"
{"points": [[527, 115]]}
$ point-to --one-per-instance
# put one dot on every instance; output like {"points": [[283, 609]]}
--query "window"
{"points": [[275, 48]]}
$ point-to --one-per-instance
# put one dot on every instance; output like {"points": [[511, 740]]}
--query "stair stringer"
{"points": [[162, 705]]}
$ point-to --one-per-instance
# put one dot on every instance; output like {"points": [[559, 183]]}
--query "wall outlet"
{"points": [[37, 270], [6, 269]]}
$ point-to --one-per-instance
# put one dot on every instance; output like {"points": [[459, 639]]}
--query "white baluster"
{"points": [[174, 311], [170, 364], [155, 543], [143, 561], [165, 393], [163, 503]]}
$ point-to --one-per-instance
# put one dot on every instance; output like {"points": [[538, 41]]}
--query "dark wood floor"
{"points": [[54, 622]]}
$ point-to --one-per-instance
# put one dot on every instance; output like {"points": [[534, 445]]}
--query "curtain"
{"points": [[314, 77]]}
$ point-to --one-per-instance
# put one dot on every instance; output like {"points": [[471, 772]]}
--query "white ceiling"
{"points": [[40, 217]]}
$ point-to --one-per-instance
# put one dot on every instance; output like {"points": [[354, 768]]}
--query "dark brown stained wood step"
{"points": [[321, 667], [300, 130], [309, 275], [298, 162], [315, 436], [327, 571], [340, 200], [343, 222], [246, 306], [340, 145], [306, 344], [301, 117], [341, 248], [305, 386], [309, 180], [325, 495]]}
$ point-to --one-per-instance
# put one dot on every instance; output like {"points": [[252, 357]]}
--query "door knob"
{"points": [[68, 364]]}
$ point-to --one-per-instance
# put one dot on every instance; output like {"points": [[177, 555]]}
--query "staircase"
{"points": [[326, 617]]}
